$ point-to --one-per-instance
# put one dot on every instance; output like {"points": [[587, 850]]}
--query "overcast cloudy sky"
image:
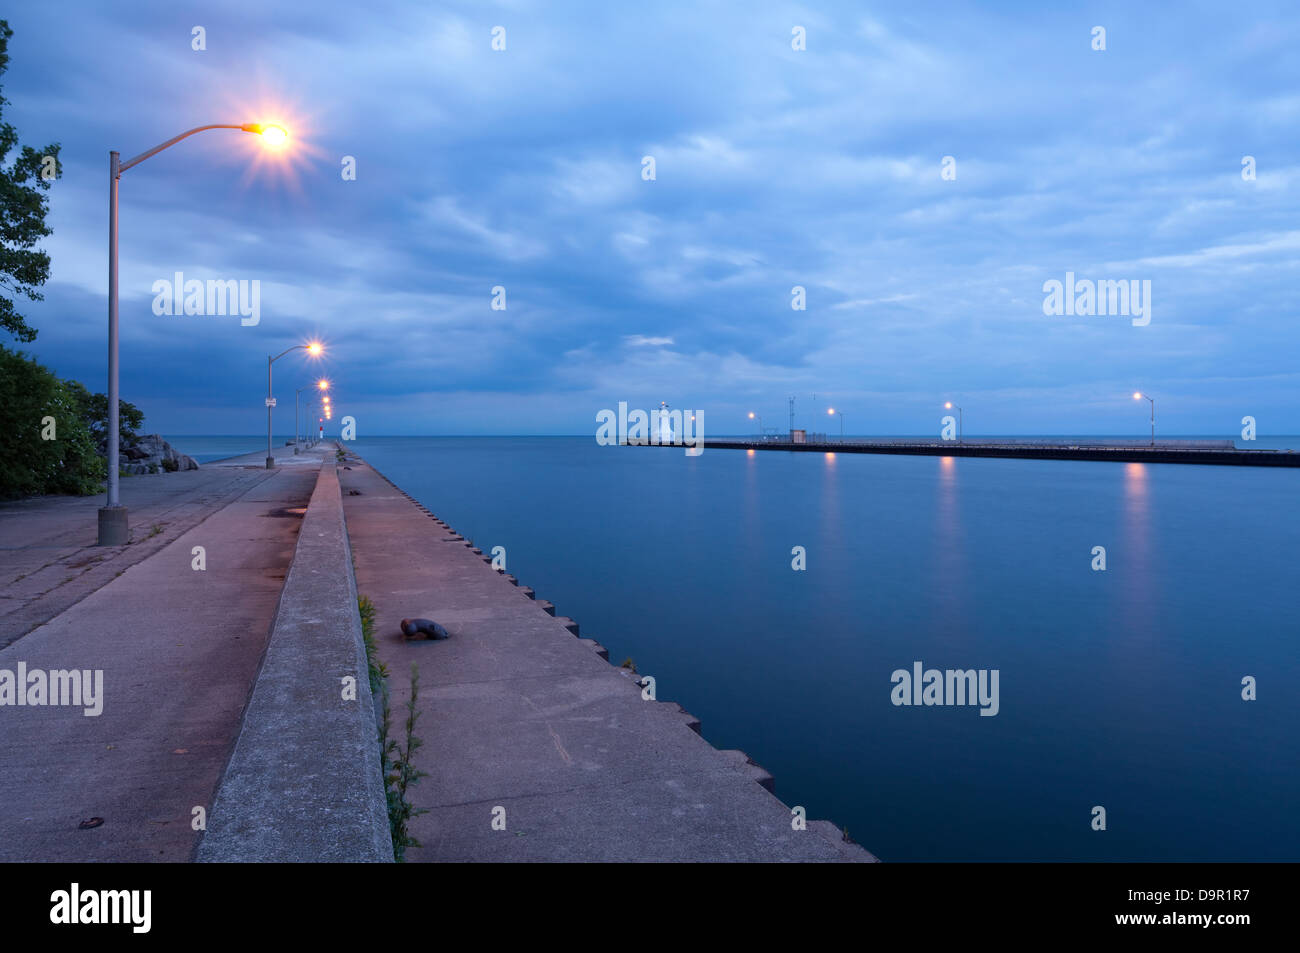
{"points": [[775, 167]]}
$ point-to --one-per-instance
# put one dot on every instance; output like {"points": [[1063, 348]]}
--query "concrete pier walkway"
{"points": [[304, 782], [48, 557], [221, 694], [179, 650], [284, 457], [536, 748]]}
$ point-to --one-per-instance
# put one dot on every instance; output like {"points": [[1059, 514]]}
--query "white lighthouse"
{"points": [[665, 425]]}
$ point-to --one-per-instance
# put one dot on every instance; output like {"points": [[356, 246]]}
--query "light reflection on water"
{"points": [[949, 553], [1135, 557]]}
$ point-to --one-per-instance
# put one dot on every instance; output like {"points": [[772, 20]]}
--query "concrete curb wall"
{"points": [[303, 783]]}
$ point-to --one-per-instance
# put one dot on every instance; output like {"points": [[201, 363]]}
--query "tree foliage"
{"points": [[24, 185], [93, 409], [45, 444]]}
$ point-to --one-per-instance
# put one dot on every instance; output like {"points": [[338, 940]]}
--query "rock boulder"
{"points": [[152, 454]]}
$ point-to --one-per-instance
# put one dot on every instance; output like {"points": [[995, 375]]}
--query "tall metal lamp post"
{"points": [[314, 349], [832, 411], [1138, 395], [114, 529], [948, 406]]}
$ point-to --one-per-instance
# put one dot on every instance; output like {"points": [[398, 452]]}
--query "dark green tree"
{"points": [[24, 184], [45, 445], [93, 409]]}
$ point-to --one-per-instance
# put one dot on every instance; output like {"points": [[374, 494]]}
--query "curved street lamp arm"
{"points": [[284, 352], [123, 166]]}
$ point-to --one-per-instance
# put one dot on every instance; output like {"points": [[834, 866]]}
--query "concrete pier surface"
{"points": [[1206, 456], [284, 457], [220, 692], [48, 557], [179, 650], [536, 748]]}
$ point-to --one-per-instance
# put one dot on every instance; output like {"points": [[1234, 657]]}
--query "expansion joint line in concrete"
{"points": [[179, 530]]}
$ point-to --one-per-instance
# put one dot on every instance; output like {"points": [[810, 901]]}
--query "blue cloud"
{"points": [[775, 168]]}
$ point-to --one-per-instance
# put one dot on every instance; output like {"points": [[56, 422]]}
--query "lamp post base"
{"points": [[113, 527], [270, 463]]}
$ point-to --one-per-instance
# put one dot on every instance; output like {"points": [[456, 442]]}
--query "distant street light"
{"points": [[948, 406], [113, 526], [753, 416], [314, 349], [321, 384], [1138, 395], [832, 411]]}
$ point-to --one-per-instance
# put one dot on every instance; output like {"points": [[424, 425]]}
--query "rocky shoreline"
{"points": [[152, 454]]}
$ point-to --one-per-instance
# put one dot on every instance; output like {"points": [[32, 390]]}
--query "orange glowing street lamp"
{"points": [[274, 135], [113, 526]]}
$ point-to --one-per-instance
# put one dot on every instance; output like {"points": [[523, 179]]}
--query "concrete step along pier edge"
{"points": [[303, 782]]}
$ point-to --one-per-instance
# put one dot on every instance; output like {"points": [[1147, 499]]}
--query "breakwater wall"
{"points": [[1207, 456]]}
